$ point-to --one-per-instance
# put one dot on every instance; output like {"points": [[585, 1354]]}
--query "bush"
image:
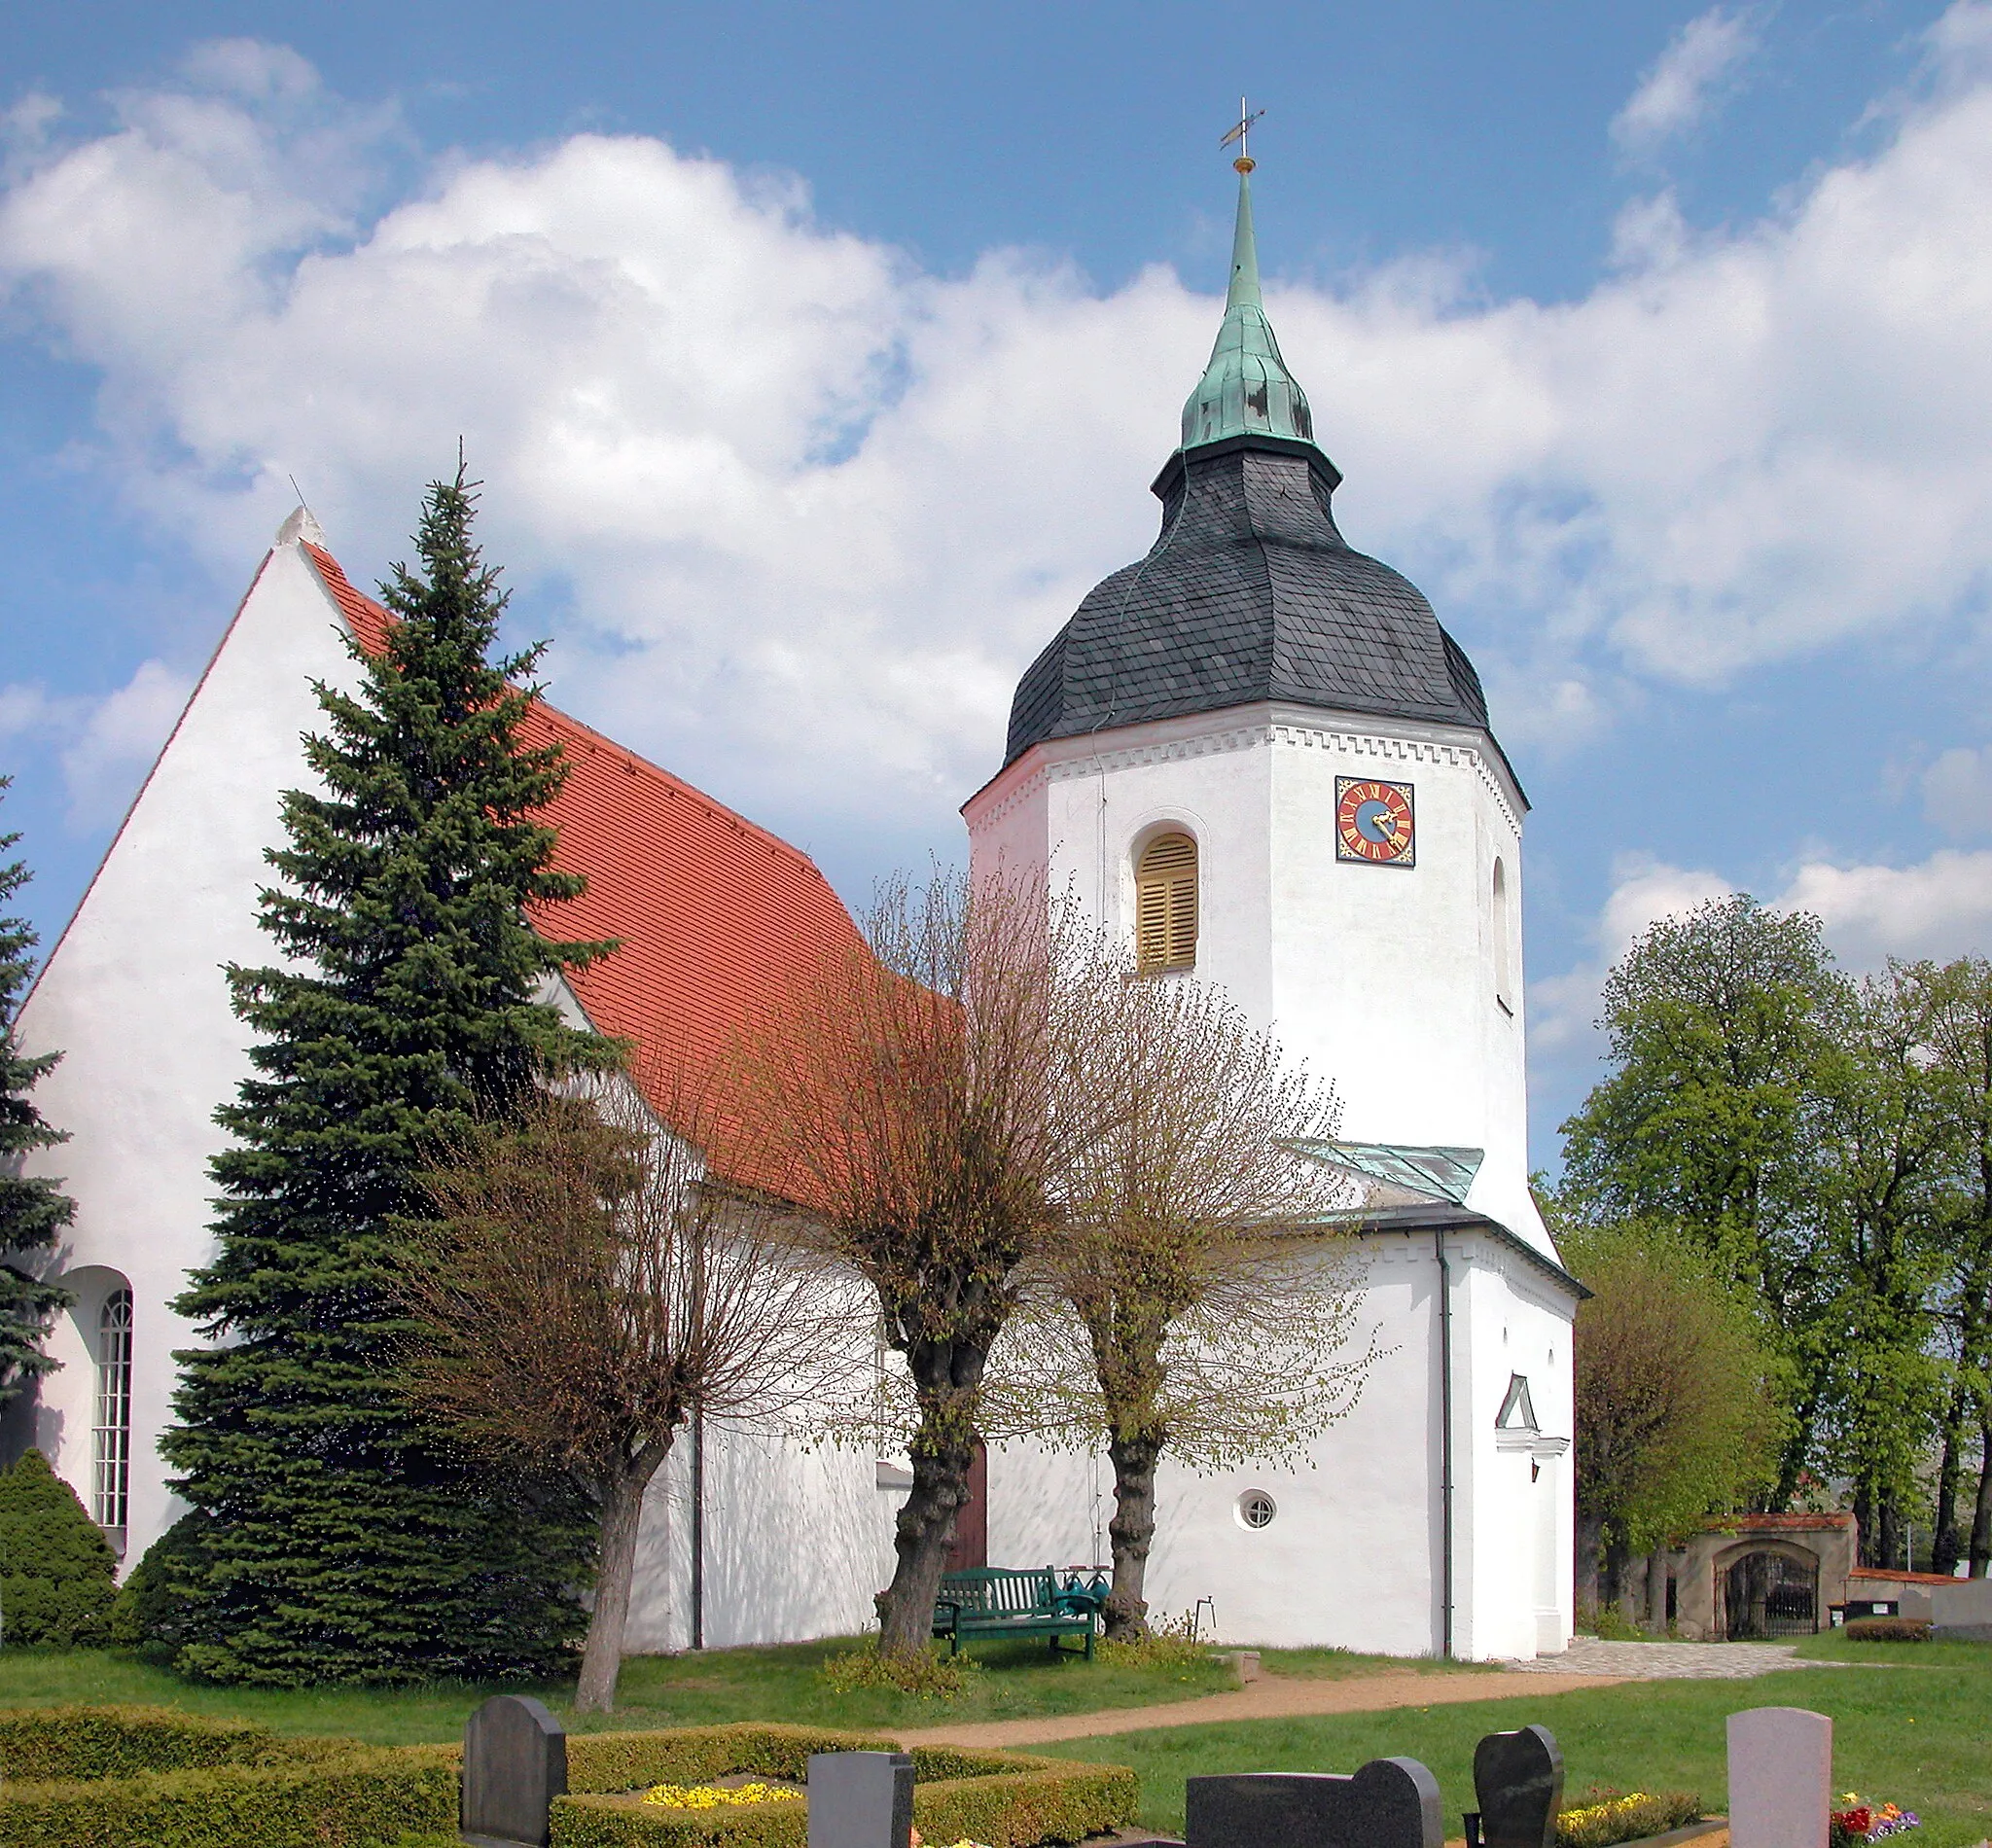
{"points": [[58, 1575], [362, 1799], [156, 1608], [1169, 1643], [1610, 1818], [943, 1677], [39, 1744], [1895, 1629]]}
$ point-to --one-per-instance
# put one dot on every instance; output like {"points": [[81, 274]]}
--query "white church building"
{"points": [[1258, 757]]}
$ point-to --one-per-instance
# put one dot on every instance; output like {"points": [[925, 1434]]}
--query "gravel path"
{"points": [[1670, 1661], [1271, 1697], [1587, 1663]]}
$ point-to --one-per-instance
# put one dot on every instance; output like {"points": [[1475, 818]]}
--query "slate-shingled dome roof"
{"points": [[1250, 593]]}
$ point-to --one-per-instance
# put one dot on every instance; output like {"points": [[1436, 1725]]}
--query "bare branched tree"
{"points": [[1198, 1305], [589, 1284], [933, 1097]]}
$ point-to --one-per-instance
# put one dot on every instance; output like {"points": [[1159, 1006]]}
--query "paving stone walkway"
{"points": [[1670, 1661]]}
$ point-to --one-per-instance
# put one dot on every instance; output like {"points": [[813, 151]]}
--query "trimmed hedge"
{"points": [[1895, 1629], [600, 1763], [38, 1744], [366, 1800], [151, 1777], [1009, 1800]]}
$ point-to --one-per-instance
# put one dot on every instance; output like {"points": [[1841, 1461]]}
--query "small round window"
{"points": [[1255, 1508]]}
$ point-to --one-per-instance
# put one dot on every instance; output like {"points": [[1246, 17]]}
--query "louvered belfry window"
{"points": [[1166, 904]]}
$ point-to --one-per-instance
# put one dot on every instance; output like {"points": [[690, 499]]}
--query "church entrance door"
{"points": [[971, 1543]]}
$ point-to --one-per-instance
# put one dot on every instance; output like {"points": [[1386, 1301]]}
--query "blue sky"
{"points": [[817, 359]]}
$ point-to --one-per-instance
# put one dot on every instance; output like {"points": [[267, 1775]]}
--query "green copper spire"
{"points": [[1246, 389]]}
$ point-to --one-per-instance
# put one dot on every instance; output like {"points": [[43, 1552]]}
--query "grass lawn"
{"points": [[1018, 1681], [1916, 1730]]}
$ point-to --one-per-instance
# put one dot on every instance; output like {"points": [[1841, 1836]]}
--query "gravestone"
{"points": [[861, 1799], [1518, 1783], [514, 1764], [1780, 1778], [1389, 1803], [1962, 1610]]}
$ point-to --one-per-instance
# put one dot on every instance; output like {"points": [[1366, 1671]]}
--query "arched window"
{"points": [[1503, 979], [111, 1434], [1166, 904]]}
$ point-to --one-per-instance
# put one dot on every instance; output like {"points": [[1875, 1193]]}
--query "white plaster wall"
{"points": [[1381, 977], [1354, 1558], [134, 999]]}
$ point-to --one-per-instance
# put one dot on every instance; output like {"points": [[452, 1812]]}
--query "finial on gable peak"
{"points": [[303, 525]]}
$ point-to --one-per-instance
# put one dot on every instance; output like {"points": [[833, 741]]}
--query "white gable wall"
{"points": [[134, 999]]}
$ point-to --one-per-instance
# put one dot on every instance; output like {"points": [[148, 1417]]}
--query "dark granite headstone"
{"points": [[1518, 1782], [1389, 1803], [514, 1764], [861, 1799]]}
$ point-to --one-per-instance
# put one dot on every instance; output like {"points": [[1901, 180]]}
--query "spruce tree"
{"points": [[32, 1211], [346, 1541]]}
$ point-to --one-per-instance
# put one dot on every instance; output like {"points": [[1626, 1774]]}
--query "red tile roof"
{"points": [[716, 917]]}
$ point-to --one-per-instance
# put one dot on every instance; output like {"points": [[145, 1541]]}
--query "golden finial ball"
{"points": [[1244, 163]]}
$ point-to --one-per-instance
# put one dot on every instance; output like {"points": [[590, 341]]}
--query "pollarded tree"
{"points": [[1197, 1307], [588, 1286], [930, 1098], [349, 1539], [33, 1211]]}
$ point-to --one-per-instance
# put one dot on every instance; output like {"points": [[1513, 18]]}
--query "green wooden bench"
{"points": [[999, 1601]]}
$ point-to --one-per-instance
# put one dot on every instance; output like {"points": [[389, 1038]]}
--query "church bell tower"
{"points": [[1259, 756]]}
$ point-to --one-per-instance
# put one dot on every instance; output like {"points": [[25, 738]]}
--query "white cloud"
{"points": [[1957, 792], [1563, 1009], [1941, 907], [118, 737], [808, 510], [1698, 67]]}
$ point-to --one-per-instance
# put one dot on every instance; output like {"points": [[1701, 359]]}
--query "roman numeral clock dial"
{"points": [[1374, 822]]}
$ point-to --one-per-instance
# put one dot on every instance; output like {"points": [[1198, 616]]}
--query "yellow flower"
{"points": [[716, 1795]]}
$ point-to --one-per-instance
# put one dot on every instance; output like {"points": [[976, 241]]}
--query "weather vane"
{"points": [[1246, 118]]}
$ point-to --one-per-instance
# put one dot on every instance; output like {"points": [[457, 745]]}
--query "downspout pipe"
{"points": [[698, 1530], [1444, 1442]]}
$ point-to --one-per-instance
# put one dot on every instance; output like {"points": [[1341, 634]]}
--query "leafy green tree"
{"points": [[1957, 999], [1717, 1025], [33, 1211], [346, 1539], [57, 1574], [1678, 1412], [1888, 1134]]}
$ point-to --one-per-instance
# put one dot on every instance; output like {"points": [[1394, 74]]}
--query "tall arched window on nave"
{"points": [[111, 1432], [1166, 904]]}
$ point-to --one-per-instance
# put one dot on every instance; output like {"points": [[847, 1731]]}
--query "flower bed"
{"points": [[1864, 1822], [1614, 1818]]}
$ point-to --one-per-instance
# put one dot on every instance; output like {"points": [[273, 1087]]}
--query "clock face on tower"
{"points": [[1374, 822]]}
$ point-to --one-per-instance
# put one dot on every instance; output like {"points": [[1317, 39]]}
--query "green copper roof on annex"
{"points": [[1246, 389]]}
